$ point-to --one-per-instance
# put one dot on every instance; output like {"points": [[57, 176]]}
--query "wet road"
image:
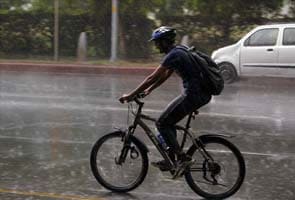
{"points": [[49, 123]]}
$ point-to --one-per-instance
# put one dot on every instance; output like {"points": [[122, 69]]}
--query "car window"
{"points": [[265, 37], [289, 36]]}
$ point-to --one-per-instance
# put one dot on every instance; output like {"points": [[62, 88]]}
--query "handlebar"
{"points": [[138, 97]]}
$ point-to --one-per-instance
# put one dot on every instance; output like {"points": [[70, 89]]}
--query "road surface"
{"points": [[49, 123]]}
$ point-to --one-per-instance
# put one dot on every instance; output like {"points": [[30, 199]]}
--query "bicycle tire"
{"points": [[96, 167], [196, 185]]}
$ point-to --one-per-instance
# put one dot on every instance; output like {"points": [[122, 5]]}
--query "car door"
{"points": [[287, 53], [259, 53]]}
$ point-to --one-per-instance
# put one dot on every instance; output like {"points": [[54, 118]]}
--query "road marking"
{"points": [[50, 195], [151, 147], [289, 155], [93, 107]]}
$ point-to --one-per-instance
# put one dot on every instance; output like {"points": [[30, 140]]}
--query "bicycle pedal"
{"points": [[179, 172]]}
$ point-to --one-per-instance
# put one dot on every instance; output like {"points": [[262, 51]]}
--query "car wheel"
{"points": [[228, 72]]}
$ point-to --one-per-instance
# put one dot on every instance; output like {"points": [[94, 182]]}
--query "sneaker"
{"points": [[162, 165], [181, 166]]}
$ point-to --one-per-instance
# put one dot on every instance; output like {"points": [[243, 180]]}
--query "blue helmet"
{"points": [[164, 32]]}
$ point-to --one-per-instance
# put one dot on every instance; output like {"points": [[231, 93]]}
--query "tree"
{"points": [[208, 23], [135, 28], [8, 5], [68, 6], [211, 22], [292, 8]]}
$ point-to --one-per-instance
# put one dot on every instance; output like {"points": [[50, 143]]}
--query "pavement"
{"points": [[50, 121], [123, 69], [84, 68]]}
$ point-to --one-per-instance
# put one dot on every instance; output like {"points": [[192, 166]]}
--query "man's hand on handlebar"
{"points": [[129, 97], [126, 98]]}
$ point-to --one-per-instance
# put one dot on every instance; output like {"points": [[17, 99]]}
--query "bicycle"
{"points": [[207, 176]]}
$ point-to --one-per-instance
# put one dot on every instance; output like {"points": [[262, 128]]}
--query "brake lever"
{"points": [[141, 95], [195, 113]]}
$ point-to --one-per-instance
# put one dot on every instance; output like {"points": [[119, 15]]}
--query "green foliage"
{"points": [[212, 24], [18, 36], [27, 25], [72, 7], [16, 4]]}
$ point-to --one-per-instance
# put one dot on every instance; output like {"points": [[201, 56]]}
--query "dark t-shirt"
{"points": [[179, 61]]}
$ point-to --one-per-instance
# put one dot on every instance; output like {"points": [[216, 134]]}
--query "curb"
{"points": [[101, 69], [74, 68]]}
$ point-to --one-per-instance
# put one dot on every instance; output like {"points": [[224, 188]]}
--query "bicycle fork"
{"points": [[126, 147], [133, 152]]}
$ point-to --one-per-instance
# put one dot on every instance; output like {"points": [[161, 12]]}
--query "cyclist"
{"points": [[192, 97]]}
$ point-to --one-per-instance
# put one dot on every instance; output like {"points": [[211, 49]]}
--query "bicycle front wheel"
{"points": [[115, 174], [220, 176]]}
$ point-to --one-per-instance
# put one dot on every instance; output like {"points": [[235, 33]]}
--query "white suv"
{"points": [[267, 50]]}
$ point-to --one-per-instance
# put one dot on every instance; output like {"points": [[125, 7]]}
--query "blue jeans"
{"points": [[175, 111]]}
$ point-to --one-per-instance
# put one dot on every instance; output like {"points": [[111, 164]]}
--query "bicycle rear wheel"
{"points": [[218, 177], [107, 169]]}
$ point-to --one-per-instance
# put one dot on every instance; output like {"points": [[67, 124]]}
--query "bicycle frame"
{"points": [[139, 117]]}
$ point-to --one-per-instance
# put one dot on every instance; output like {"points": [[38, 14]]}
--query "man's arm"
{"points": [[156, 78], [159, 82]]}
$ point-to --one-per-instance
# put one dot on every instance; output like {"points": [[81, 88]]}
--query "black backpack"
{"points": [[211, 78]]}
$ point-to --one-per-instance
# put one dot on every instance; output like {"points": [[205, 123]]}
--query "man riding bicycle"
{"points": [[192, 97]]}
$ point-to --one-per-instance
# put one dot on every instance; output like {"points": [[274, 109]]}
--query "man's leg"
{"points": [[174, 112]]}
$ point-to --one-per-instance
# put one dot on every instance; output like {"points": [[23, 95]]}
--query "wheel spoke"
{"points": [[196, 169]]}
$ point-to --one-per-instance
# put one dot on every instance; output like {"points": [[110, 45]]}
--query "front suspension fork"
{"points": [[126, 147]]}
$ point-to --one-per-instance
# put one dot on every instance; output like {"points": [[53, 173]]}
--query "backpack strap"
{"points": [[186, 48], [196, 55]]}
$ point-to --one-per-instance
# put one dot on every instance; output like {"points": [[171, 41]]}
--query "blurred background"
{"points": [[49, 30], [50, 121]]}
